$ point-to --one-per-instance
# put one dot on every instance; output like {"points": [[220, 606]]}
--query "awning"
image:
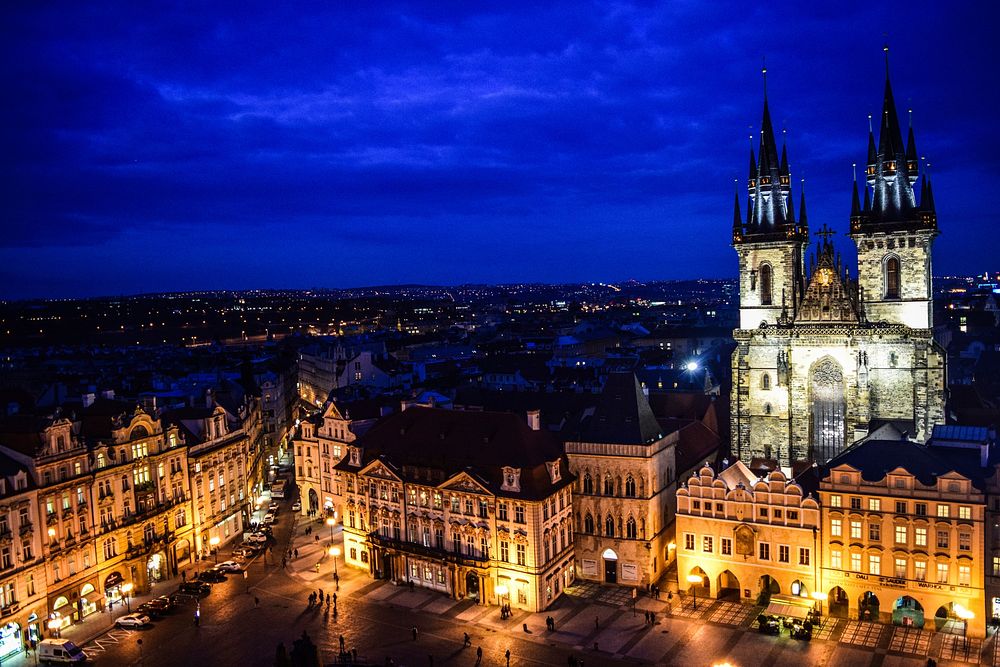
{"points": [[789, 607]]}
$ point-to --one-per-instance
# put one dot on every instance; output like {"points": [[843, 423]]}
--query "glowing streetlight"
{"points": [[331, 522], [694, 580], [126, 589], [214, 543], [335, 553], [55, 625]]}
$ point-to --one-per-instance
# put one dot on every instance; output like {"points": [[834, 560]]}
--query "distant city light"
{"points": [[692, 365]]}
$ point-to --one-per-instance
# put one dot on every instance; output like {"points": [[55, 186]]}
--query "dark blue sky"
{"points": [[260, 145]]}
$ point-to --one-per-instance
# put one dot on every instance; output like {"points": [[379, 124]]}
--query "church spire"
{"points": [[737, 219], [803, 220]]}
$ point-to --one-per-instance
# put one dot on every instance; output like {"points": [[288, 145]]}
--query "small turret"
{"points": [[737, 219], [803, 220]]}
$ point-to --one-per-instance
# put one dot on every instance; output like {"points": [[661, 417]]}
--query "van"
{"points": [[60, 650]]}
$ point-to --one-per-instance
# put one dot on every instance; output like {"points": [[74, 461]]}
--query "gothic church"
{"points": [[824, 357]]}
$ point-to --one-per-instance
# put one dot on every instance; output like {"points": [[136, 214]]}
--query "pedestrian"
{"points": [[327, 601], [479, 654], [507, 655], [652, 618], [597, 623], [341, 643], [670, 595], [334, 599], [321, 597], [256, 601], [645, 615], [296, 553], [184, 576], [466, 641], [413, 631]]}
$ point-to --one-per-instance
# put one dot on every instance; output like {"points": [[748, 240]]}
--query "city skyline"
{"points": [[395, 144]]}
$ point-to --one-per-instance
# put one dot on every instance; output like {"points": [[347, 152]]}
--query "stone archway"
{"points": [[828, 421], [907, 611], [728, 586], [313, 500], [798, 588], [472, 585], [838, 602], [610, 566], [768, 586], [868, 607]]}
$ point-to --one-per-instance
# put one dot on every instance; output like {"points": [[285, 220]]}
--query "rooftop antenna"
{"points": [[763, 71]]}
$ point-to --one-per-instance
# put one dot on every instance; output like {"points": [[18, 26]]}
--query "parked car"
{"points": [[268, 518], [296, 506], [132, 621], [246, 552], [195, 588], [258, 538], [163, 602], [212, 575], [150, 609], [229, 566], [273, 507]]}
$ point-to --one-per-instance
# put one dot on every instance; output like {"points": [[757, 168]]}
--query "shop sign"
{"points": [[896, 583], [927, 584]]}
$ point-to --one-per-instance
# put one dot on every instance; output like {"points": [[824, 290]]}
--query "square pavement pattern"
{"points": [[862, 633]]}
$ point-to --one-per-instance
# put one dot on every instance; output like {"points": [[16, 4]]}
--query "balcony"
{"points": [[427, 552], [26, 528], [51, 518]]}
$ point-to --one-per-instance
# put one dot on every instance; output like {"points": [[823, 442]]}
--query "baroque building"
{"points": [[822, 357], [472, 504]]}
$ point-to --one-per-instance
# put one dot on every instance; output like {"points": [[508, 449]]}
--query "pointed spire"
{"points": [[868, 204], [803, 220], [753, 161], [790, 211], [890, 136], [737, 218], [929, 204], [872, 151], [855, 201], [784, 157]]}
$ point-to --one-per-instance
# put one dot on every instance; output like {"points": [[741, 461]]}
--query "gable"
{"points": [[465, 483], [380, 470]]}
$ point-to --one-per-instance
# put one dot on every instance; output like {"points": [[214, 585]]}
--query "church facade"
{"points": [[823, 356]]}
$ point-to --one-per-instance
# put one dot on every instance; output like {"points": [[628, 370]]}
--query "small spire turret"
{"points": [[803, 220]]}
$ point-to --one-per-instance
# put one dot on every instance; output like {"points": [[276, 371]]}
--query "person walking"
{"points": [[597, 624], [414, 631], [341, 643], [479, 655], [256, 602], [466, 641], [507, 655]]}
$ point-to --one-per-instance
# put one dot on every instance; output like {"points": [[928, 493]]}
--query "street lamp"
{"points": [[335, 552], [820, 597], [55, 624], [331, 522], [126, 589], [214, 543], [694, 580]]}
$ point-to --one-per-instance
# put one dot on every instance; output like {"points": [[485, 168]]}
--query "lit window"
{"points": [[875, 564], [836, 527], [856, 562]]}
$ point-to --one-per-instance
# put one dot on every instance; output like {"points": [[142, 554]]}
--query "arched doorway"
{"points": [[610, 566], [868, 606], [950, 618], [472, 585], [829, 423], [699, 586], [798, 588], [182, 551], [156, 567], [908, 612], [839, 602], [767, 587], [729, 586], [313, 501]]}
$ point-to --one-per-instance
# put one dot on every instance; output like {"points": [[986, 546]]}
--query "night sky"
{"points": [[287, 145]]}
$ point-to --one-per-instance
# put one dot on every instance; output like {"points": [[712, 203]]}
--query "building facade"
{"points": [[23, 608], [472, 504], [747, 537], [321, 444], [904, 524], [823, 358], [625, 490]]}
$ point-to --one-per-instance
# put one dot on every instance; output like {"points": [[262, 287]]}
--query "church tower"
{"points": [[769, 242], [892, 230]]}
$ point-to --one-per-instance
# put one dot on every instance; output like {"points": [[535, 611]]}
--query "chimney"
{"points": [[88, 400], [535, 420]]}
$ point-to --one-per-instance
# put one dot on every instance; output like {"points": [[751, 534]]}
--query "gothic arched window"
{"points": [[609, 526], [630, 528], [765, 284], [765, 382], [892, 278], [609, 486], [588, 483], [588, 524], [629, 487]]}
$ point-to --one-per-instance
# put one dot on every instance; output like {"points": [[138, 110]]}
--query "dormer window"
{"points": [[355, 455], [554, 473], [512, 479]]}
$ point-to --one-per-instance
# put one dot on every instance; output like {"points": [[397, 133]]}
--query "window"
{"points": [[942, 573], [793, 515], [502, 512], [874, 532], [835, 500], [689, 541], [765, 381], [920, 570], [518, 513], [777, 513], [900, 534], [855, 503], [520, 554], [588, 524], [900, 507], [965, 541], [696, 504], [874, 564], [765, 284], [943, 511], [964, 575], [942, 539], [764, 553], [707, 545], [892, 278], [835, 559], [836, 527], [763, 511], [920, 537], [504, 551], [900, 570], [484, 509], [804, 554], [726, 546], [921, 509], [964, 512], [855, 530], [630, 529], [856, 562], [874, 504], [588, 483], [629, 487], [783, 553], [609, 486], [996, 566], [609, 526]]}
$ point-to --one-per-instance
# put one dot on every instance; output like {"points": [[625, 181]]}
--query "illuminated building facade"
{"points": [[472, 504], [321, 444], [823, 358], [745, 536]]}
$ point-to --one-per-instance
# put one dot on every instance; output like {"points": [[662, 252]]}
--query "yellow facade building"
{"points": [[747, 537]]}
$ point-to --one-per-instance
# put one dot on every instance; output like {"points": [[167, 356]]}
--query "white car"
{"points": [[132, 621], [229, 566], [296, 506], [268, 518], [273, 507], [259, 538]]}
